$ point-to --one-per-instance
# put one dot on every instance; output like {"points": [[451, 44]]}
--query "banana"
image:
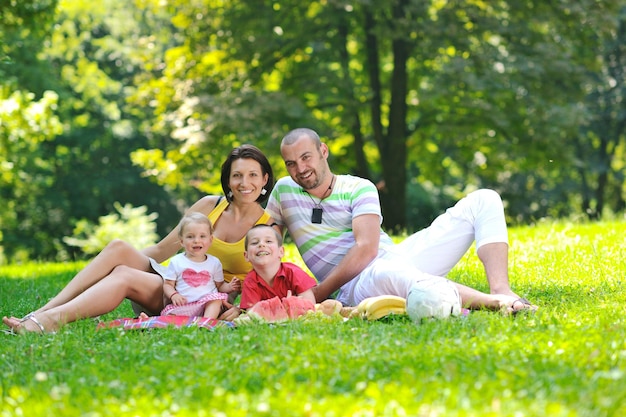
{"points": [[362, 307], [373, 308], [385, 311]]}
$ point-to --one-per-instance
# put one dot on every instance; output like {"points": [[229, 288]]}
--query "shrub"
{"points": [[132, 224]]}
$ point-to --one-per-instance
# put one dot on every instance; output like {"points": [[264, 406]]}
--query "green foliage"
{"points": [[132, 224], [524, 97], [203, 100], [24, 25], [26, 123], [90, 60], [473, 95], [25, 171], [566, 360]]}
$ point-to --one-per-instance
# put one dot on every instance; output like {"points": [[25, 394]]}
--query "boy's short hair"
{"points": [[279, 238], [193, 217]]}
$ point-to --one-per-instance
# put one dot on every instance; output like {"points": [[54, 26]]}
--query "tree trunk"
{"points": [[353, 119], [394, 150]]}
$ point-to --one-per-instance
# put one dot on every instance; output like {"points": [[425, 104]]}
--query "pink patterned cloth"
{"points": [[160, 322], [195, 308]]}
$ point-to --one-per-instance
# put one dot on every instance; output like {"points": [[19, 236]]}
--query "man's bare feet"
{"points": [[514, 304]]}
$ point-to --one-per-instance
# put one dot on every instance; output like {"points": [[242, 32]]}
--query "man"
{"points": [[335, 221]]}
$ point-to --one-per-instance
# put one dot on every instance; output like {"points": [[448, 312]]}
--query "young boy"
{"points": [[193, 278], [270, 277]]}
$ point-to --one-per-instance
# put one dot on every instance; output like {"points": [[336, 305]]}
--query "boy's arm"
{"points": [[249, 296], [301, 283], [308, 295]]}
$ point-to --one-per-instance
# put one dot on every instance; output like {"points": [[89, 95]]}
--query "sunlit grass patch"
{"points": [[568, 359]]}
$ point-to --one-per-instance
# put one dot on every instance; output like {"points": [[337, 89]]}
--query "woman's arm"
{"points": [[170, 244]]}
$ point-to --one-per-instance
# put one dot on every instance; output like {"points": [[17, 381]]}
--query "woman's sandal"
{"points": [[26, 317], [32, 318], [21, 328]]}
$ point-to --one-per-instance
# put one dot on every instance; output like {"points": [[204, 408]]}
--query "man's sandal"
{"points": [[528, 307]]}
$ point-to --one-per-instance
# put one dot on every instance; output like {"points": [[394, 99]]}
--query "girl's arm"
{"points": [[233, 286], [169, 289], [230, 311], [170, 244]]}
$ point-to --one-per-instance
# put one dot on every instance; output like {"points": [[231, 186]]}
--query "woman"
{"points": [[121, 271]]}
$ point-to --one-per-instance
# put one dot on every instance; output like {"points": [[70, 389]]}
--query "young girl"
{"points": [[192, 279], [121, 271]]}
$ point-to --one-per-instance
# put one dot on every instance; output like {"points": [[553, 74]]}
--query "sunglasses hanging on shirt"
{"points": [[316, 214]]}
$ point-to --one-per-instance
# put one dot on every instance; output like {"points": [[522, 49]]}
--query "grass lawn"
{"points": [[568, 359]]}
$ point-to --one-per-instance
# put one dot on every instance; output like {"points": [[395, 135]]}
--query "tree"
{"points": [[453, 89], [429, 100], [91, 60], [24, 170], [24, 25], [601, 143], [27, 118], [203, 100]]}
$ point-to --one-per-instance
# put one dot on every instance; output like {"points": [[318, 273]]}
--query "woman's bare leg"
{"points": [[116, 253], [102, 297]]}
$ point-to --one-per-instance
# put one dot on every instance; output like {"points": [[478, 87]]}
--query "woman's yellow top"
{"points": [[231, 254]]}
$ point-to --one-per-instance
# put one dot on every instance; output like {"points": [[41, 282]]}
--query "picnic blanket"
{"points": [[161, 322]]}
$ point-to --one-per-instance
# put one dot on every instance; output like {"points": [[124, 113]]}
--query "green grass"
{"points": [[569, 359]]}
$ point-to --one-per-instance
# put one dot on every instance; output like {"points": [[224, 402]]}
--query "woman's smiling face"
{"points": [[246, 180]]}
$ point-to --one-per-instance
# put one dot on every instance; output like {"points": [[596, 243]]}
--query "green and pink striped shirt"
{"points": [[323, 246]]}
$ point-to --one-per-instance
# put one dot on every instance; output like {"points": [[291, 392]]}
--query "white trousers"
{"points": [[432, 252]]}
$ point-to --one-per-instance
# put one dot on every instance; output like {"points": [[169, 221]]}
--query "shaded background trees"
{"points": [[427, 99]]}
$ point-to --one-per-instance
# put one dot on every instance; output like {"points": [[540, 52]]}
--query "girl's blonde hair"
{"points": [[193, 217]]}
